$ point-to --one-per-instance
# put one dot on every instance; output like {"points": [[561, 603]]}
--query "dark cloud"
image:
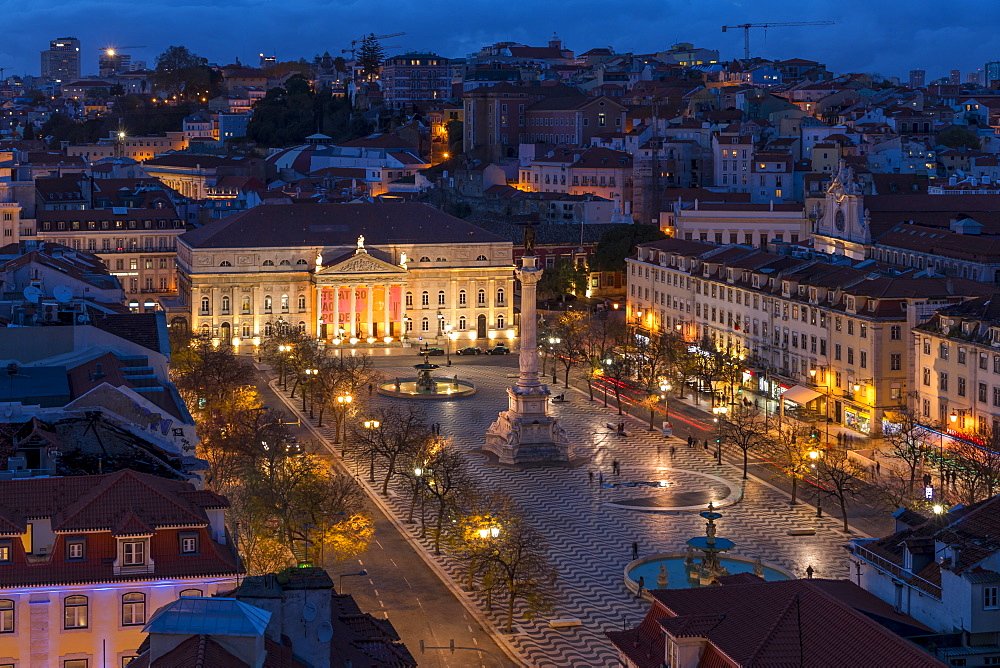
{"points": [[886, 36]]}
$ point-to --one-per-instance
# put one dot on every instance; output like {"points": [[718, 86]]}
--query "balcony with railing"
{"points": [[895, 571]]}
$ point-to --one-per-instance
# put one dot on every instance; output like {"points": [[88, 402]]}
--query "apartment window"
{"points": [[982, 393], [75, 612], [191, 593], [864, 359], [926, 408], [76, 663], [943, 381], [990, 600], [189, 542], [961, 355], [76, 548], [850, 327], [850, 355], [983, 361], [6, 551], [133, 609], [996, 364], [961, 386], [927, 377], [863, 330], [927, 346], [837, 324], [6, 615], [943, 352], [134, 553], [896, 332]]}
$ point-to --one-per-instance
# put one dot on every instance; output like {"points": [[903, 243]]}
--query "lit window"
{"points": [[133, 609], [75, 612], [134, 553], [6, 615]]}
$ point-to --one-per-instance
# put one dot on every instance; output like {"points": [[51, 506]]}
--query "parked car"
{"points": [[471, 350], [500, 350], [433, 352]]}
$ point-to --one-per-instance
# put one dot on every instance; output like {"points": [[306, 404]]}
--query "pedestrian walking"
{"points": [[642, 585], [635, 549], [590, 474], [614, 467], [690, 441], [878, 468], [370, 389], [673, 450], [600, 479], [706, 444]]}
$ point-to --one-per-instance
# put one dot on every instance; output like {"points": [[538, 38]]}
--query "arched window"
{"points": [[301, 261], [409, 325], [425, 299], [225, 304], [247, 331], [462, 324], [425, 259], [481, 258], [225, 263], [6, 615], [302, 326], [441, 298], [425, 325], [500, 296], [461, 297], [409, 299], [285, 263], [191, 593], [206, 331], [205, 305], [268, 329], [302, 302], [500, 321], [481, 297], [75, 610], [268, 263], [133, 609], [246, 305], [267, 303], [284, 303]]}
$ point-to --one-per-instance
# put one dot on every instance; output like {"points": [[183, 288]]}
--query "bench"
{"points": [[802, 531], [565, 623]]}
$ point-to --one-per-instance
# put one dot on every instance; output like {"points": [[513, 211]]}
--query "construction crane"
{"points": [[746, 30], [358, 41]]}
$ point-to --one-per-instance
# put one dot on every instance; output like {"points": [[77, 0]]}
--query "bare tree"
{"points": [[445, 476], [843, 476], [521, 565], [787, 447], [745, 428], [906, 440], [977, 467], [402, 431]]}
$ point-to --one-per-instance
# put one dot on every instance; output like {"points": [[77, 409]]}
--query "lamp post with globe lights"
{"points": [[720, 415]]}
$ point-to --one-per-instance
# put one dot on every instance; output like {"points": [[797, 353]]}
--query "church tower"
{"points": [[843, 224]]}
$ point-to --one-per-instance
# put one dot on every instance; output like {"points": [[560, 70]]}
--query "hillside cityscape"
{"points": [[544, 355]]}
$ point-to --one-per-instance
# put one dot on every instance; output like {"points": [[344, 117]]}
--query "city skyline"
{"points": [[455, 31]]}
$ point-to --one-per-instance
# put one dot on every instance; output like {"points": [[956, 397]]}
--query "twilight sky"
{"points": [[889, 37]]}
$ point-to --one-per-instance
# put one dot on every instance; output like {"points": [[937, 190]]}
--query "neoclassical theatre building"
{"points": [[371, 271]]}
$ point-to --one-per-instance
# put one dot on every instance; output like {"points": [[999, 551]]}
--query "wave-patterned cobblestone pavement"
{"points": [[591, 542]]}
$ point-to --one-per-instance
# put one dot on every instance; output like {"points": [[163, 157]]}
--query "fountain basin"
{"points": [[649, 569], [438, 389]]}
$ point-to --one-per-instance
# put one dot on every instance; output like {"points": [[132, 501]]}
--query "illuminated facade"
{"points": [[81, 570], [342, 271]]}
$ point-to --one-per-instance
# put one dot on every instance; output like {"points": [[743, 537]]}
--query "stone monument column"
{"points": [[525, 433]]}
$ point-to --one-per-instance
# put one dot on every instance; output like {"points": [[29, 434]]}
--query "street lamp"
{"points": [[720, 412], [553, 341], [343, 401], [826, 402], [814, 456], [664, 388], [305, 389], [282, 349], [340, 586]]}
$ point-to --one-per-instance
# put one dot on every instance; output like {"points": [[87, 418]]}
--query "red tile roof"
{"points": [[791, 623]]}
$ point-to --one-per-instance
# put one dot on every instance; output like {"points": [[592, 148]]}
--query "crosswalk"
{"points": [[590, 527]]}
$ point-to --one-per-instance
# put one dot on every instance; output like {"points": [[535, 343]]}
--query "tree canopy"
{"points": [[618, 243], [185, 74], [289, 114], [958, 136], [370, 56]]}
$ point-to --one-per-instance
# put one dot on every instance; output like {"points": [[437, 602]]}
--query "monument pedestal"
{"points": [[525, 433]]}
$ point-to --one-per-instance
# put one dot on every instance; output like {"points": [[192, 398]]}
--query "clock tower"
{"points": [[843, 225]]}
